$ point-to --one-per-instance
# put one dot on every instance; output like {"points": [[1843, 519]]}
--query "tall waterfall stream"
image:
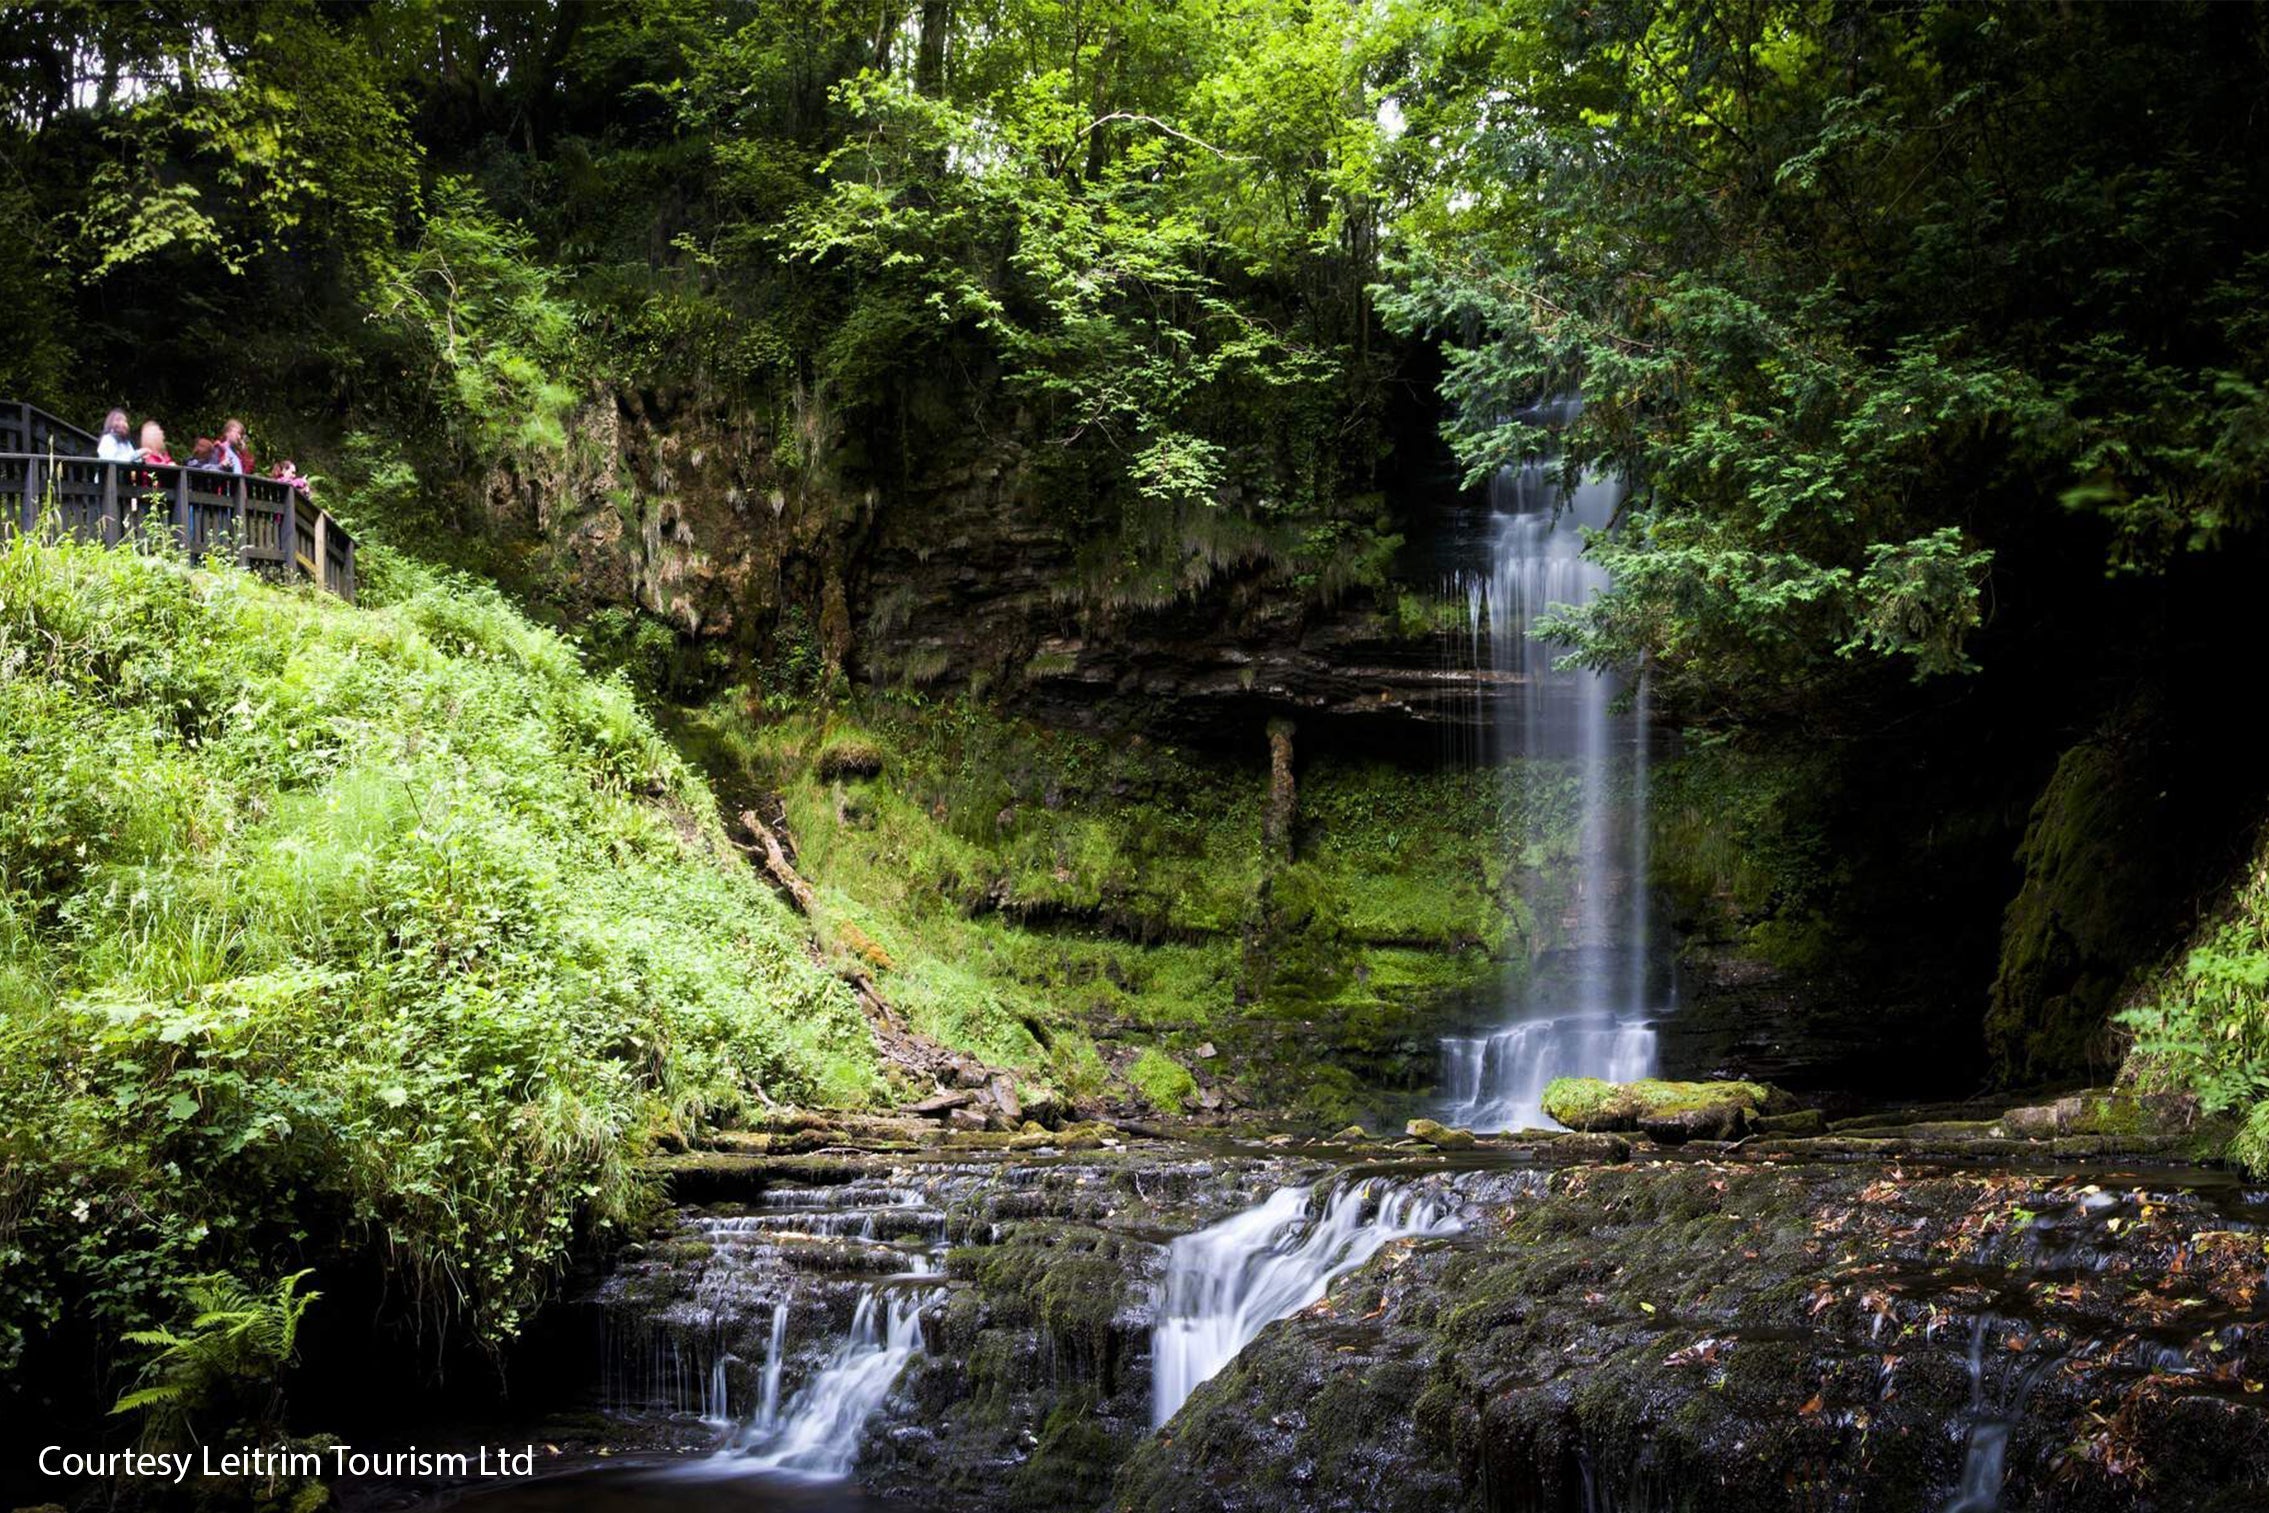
{"points": [[1575, 742]]}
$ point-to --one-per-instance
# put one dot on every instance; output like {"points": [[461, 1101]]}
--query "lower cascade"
{"points": [[1225, 1282], [780, 1275], [817, 1434]]}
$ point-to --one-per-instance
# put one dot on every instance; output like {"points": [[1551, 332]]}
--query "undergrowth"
{"points": [[1077, 907], [325, 928], [2203, 1025]]}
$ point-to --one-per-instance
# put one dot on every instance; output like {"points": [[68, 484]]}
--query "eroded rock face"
{"points": [[1725, 1336], [958, 574]]}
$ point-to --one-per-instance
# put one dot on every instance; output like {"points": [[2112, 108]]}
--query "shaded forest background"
{"points": [[1932, 340]]}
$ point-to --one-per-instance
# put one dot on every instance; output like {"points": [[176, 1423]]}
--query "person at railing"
{"points": [[286, 473], [115, 445], [235, 451], [206, 454], [152, 448]]}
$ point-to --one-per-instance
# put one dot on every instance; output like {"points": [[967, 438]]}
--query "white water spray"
{"points": [[1225, 1282], [817, 1434]]}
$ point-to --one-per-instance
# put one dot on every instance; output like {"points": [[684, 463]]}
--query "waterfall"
{"points": [[1225, 1282], [768, 1400], [1580, 765], [775, 1278], [817, 1434]]}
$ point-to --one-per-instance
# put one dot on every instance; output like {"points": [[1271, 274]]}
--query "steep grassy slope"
{"points": [[324, 928]]}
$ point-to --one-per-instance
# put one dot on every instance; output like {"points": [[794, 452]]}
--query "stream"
{"points": [[949, 1331]]}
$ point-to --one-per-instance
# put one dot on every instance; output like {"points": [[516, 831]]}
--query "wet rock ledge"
{"points": [[1741, 1334], [2045, 1306]]}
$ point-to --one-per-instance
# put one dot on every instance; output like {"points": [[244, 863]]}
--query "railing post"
{"points": [[109, 496], [181, 509], [31, 494], [322, 550], [236, 516]]}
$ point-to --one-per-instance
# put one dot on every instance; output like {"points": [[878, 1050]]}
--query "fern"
{"points": [[238, 1343]]}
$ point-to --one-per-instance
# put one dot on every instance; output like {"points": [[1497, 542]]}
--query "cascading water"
{"points": [[1581, 766], [775, 1278], [817, 1434], [1225, 1282]]}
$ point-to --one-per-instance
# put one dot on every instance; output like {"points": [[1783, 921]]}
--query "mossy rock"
{"points": [[1440, 1136], [1585, 1150], [849, 758], [2099, 1112], [1805, 1121], [1165, 1084], [1671, 1112]]}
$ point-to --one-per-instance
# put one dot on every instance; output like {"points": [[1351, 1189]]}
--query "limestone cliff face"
{"points": [[740, 528]]}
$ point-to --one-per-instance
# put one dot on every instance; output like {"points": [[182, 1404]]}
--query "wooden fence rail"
{"points": [[50, 479]]}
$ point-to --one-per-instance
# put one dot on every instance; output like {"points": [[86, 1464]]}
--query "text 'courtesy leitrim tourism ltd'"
{"points": [[250, 1460]]}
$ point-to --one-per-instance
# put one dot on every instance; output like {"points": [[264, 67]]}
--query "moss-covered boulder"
{"points": [[2099, 1111], [1671, 1112], [1440, 1136]]}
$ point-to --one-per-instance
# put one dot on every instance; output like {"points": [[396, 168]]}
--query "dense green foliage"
{"points": [[1091, 217], [327, 927], [1870, 303], [2203, 1024]]}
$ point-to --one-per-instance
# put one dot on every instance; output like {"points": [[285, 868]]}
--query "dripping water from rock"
{"points": [[1573, 744]]}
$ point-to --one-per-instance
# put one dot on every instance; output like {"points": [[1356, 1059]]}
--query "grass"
{"points": [[324, 927], [1065, 905]]}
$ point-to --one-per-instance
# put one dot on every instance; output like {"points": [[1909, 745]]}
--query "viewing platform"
{"points": [[48, 472]]}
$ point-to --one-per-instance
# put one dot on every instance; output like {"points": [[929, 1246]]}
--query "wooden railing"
{"points": [[50, 479]]}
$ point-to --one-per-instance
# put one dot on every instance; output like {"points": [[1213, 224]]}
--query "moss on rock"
{"points": [[1165, 1084], [1672, 1112]]}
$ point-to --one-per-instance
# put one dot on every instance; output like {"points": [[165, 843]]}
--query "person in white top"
{"points": [[116, 443]]}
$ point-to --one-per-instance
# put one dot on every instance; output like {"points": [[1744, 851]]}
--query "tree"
{"points": [[1865, 302]]}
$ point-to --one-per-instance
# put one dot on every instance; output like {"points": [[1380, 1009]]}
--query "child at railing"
{"points": [[152, 450], [153, 445], [286, 473]]}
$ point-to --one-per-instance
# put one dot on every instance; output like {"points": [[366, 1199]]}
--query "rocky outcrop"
{"points": [[1729, 1336], [749, 530]]}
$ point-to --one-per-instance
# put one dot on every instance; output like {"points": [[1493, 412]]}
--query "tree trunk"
{"points": [[1276, 821], [929, 54]]}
